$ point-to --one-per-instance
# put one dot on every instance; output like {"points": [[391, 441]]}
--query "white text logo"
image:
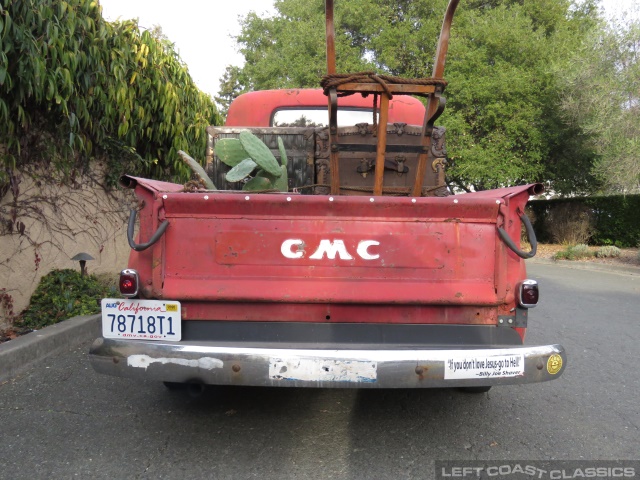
{"points": [[295, 248]]}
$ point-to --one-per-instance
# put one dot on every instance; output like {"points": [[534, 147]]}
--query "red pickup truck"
{"points": [[367, 272]]}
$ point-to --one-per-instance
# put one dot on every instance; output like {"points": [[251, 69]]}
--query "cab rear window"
{"points": [[318, 117]]}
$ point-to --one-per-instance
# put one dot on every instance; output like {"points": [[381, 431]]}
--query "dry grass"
{"points": [[628, 256]]}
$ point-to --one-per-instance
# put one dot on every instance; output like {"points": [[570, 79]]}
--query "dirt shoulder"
{"points": [[628, 257]]}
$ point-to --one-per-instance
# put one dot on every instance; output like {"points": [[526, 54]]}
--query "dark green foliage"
{"points": [[615, 219], [503, 120], [62, 294], [98, 87], [601, 96]]}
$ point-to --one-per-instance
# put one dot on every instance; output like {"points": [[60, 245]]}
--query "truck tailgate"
{"points": [[287, 248]]}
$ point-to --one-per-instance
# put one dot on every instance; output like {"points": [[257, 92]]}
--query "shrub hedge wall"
{"points": [[96, 84], [614, 220]]}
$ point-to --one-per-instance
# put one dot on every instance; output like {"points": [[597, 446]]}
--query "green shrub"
{"points": [[63, 294], [613, 220], [574, 252], [608, 252], [97, 86]]}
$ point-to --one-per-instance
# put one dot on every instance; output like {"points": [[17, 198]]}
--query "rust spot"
{"points": [[459, 294], [236, 368], [116, 360], [421, 371]]}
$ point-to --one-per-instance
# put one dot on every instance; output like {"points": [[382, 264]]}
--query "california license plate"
{"points": [[141, 319]]}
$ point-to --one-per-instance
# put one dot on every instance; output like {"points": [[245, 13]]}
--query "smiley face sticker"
{"points": [[554, 364]]}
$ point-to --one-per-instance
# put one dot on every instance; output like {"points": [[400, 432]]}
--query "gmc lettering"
{"points": [[295, 248]]}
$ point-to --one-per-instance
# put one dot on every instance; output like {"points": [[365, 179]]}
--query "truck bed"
{"points": [[287, 257]]}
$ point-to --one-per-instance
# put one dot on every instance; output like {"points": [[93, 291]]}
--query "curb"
{"points": [[28, 350], [597, 267]]}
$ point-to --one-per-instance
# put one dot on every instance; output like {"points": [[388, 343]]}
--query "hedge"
{"points": [[96, 84], [614, 220]]}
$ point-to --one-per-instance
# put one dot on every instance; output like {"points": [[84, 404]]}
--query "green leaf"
{"points": [[230, 151], [283, 153], [259, 152], [257, 184], [197, 169], [7, 26], [282, 183], [241, 170]]}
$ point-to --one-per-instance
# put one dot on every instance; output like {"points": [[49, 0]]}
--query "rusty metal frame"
{"points": [[436, 102], [435, 105]]}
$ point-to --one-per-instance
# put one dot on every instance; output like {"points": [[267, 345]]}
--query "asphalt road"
{"points": [[62, 420]]}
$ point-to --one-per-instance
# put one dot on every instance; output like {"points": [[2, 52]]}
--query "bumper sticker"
{"points": [[483, 366]]}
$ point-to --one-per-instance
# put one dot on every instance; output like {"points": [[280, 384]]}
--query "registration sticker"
{"points": [[554, 364], [141, 319], [469, 365]]}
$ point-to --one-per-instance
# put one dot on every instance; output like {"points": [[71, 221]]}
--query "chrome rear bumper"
{"points": [[324, 368]]}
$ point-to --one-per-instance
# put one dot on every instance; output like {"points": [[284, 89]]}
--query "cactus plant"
{"points": [[197, 169], [257, 184], [280, 183], [230, 151], [260, 153], [248, 154], [241, 170], [283, 153]]}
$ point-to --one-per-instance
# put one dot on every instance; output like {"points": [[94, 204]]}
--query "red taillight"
{"points": [[129, 283], [528, 293]]}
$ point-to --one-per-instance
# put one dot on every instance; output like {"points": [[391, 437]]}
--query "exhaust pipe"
{"points": [[195, 389]]}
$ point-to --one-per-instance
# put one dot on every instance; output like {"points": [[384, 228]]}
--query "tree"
{"points": [[231, 85], [602, 97], [93, 87], [503, 123]]}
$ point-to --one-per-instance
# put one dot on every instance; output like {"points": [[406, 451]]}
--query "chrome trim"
{"points": [[519, 288], [217, 365]]}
